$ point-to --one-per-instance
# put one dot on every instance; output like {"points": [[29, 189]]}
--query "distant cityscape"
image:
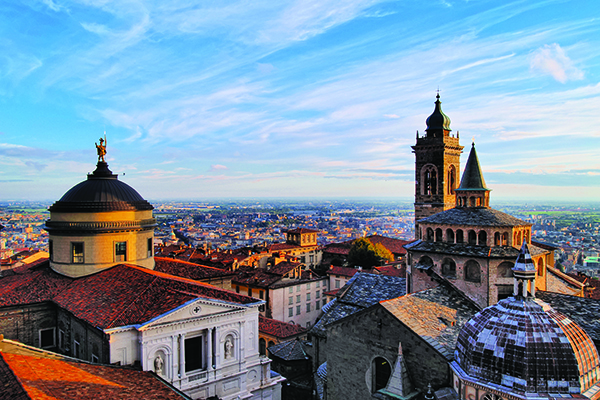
{"points": [[573, 228]]}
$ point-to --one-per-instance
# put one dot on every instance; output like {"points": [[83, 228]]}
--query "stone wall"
{"points": [[355, 342]]}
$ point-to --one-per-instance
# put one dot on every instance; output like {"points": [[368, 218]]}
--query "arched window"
{"points": [[497, 239], [451, 180], [519, 239], [449, 268], [426, 261], [526, 237], [438, 235], [262, 346], [472, 271], [540, 267], [429, 235], [429, 179], [472, 238], [449, 236], [482, 238], [471, 201], [504, 270], [381, 371], [505, 239], [459, 236]]}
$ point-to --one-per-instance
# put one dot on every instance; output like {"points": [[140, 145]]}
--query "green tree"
{"points": [[364, 253]]}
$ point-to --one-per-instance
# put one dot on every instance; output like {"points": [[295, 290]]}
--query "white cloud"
{"points": [[552, 60]]}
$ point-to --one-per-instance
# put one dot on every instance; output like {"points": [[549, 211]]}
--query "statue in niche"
{"points": [[158, 364], [101, 149], [228, 347]]}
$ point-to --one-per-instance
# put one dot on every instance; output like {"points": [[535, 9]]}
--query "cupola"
{"points": [[438, 123], [99, 223]]}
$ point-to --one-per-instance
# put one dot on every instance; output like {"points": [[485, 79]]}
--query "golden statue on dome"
{"points": [[101, 149]]}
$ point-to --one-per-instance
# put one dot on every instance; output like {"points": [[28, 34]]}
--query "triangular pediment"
{"points": [[196, 309]]}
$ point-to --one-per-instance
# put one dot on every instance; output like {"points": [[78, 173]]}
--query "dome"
{"points": [[524, 345], [438, 120], [102, 191]]}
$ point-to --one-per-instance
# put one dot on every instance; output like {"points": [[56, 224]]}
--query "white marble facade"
{"points": [[204, 348]]}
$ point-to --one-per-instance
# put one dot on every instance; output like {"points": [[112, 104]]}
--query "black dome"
{"points": [[438, 121], [102, 191]]}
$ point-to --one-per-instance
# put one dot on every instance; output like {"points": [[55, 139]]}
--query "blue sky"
{"points": [[312, 98]]}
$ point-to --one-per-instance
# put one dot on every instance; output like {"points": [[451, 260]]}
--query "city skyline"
{"points": [[297, 98]]}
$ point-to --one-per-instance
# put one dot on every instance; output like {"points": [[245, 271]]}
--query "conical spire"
{"points": [[472, 178], [438, 122], [399, 385]]}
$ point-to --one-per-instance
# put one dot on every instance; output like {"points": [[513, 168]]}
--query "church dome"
{"points": [[102, 191], [438, 121], [524, 345]]}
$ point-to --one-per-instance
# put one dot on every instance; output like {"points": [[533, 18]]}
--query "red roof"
{"points": [[188, 270], [393, 245], [280, 330], [343, 271], [30, 374], [391, 270], [120, 296]]}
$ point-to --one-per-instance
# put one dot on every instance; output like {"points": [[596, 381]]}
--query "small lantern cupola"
{"points": [[524, 273], [438, 123]]}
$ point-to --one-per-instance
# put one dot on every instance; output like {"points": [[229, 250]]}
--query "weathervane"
{"points": [[101, 148]]}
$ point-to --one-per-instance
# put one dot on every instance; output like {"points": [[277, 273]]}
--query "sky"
{"points": [[296, 98]]}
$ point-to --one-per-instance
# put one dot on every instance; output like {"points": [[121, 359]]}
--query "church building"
{"points": [[99, 299]]}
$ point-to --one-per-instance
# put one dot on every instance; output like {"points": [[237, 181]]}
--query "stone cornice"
{"points": [[99, 226]]}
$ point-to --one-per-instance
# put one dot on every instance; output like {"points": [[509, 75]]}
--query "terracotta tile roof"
{"points": [[583, 311], [343, 271], [282, 246], [188, 270], [338, 248], [395, 246], [283, 268], [280, 330], [256, 278], [592, 284], [36, 374], [391, 270], [120, 296]]}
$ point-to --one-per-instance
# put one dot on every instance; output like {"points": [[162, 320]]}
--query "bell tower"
{"points": [[437, 165]]}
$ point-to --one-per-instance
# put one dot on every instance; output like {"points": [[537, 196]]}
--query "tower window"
{"points": [[149, 247], [50, 250], [449, 236], [121, 251], [472, 271], [459, 236], [77, 253]]}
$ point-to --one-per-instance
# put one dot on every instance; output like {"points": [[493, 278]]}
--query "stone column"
{"points": [[209, 350], [182, 355]]}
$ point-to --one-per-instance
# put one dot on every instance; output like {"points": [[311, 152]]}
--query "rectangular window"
{"points": [[250, 292], [61, 339], [149, 246], [120, 251], [290, 300], [261, 295], [337, 283], [307, 296], [193, 353], [237, 289], [47, 338], [318, 294], [291, 312], [298, 288], [308, 286], [50, 250], [77, 253], [298, 299], [291, 289], [76, 349], [307, 307], [318, 284], [297, 310], [317, 304]]}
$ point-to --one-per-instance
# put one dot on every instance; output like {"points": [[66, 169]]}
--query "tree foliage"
{"points": [[364, 253]]}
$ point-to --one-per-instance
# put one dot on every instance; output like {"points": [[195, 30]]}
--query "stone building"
{"points": [[470, 244], [99, 298]]}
